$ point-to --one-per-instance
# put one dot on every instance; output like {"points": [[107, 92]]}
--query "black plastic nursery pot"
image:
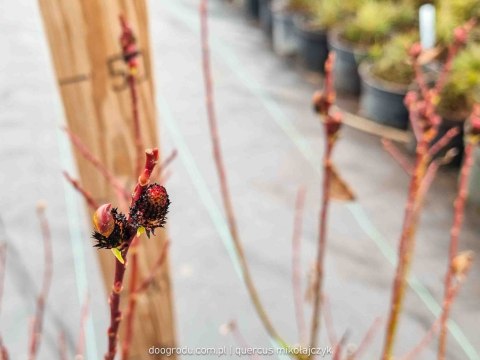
{"points": [[382, 101], [312, 44], [266, 17], [252, 8], [347, 58], [285, 42]]}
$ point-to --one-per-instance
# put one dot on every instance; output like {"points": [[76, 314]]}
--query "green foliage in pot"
{"points": [[452, 13], [327, 13], [463, 85], [391, 61], [375, 21]]}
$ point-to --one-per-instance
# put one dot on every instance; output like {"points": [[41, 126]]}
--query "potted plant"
{"points": [[266, 17], [385, 79], [373, 23], [312, 28], [252, 8], [461, 91], [284, 36]]}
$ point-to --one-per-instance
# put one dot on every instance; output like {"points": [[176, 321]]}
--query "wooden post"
{"points": [[83, 37]]}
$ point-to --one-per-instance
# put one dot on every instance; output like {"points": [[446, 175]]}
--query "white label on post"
{"points": [[427, 26]]}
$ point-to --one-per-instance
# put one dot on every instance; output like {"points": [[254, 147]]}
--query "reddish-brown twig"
{"points": [[37, 323], [338, 347], [332, 123], [296, 263], [81, 336], [132, 300], [86, 195], [220, 167], [114, 299], [367, 339], [459, 209], [102, 169], [434, 329], [425, 121], [161, 173], [443, 141], [130, 53], [400, 158], [233, 329], [62, 347], [327, 314], [3, 351]]}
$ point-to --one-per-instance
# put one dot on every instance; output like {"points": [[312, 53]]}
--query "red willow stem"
{"points": [[327, 314], [37, 324], [83, 321], [332, 123], [322, 242], [458, 217], [130, 53], [132, 300], [62, 347], [367, 339], [220, 168], [400, 158], [296, 263], [86, 195], [240, 339], [443, 141], [424, 109], [136, 290], [3, 351], [88, 155], [114, 299]]}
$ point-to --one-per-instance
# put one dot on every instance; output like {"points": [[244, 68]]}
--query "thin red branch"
{"points": [[332, 123], [3, 351], [327, 314], [296, 263], [83, 322], [367, 339], [423, 343], [132, 300], [398, 156], [86, 195], [458, 217], [443, 141], [136, 290], [62, 347], [240, 339], [151, 159], [220, 167], [461, 34], [161, 169], [37, 324], [338, 348], [88, 155], [147, 281]]}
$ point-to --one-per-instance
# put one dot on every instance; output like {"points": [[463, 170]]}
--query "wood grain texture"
{"points": [[83, 36]]}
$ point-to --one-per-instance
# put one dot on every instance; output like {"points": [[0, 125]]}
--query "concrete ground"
{"points": [[272, 145]]}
